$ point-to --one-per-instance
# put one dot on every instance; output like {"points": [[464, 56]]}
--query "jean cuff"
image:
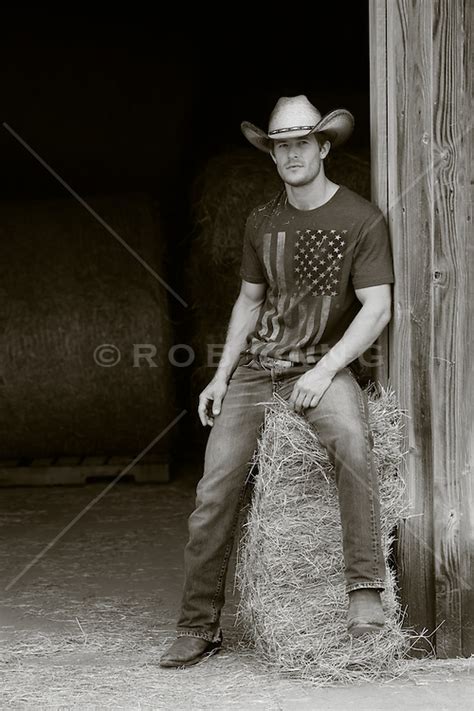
{"points": [[375, 584], [200, 634]]}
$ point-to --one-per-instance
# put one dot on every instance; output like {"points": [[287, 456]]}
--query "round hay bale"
{"points": [[68, 287], [350, 168], [229, 187], [290, 568]]}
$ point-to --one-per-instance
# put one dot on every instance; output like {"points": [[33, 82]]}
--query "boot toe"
{"points": [[186, 651]]}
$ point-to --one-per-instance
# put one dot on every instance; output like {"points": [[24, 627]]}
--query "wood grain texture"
{"points": [[467, 494], [451, 371], [410, 115], [379, 145], [423, 170]]}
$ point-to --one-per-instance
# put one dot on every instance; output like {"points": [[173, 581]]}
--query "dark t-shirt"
{"points": [[312, 261]]}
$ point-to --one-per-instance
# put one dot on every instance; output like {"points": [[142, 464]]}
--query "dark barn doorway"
{"points": [[125, 107]]}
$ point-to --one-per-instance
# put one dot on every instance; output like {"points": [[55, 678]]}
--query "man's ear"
{"points": [[325, 148], [273, 156]]}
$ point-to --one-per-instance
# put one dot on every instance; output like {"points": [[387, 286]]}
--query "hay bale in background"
{"points": [[290, 568], [229, 187], [68, 286], [350, 168]]}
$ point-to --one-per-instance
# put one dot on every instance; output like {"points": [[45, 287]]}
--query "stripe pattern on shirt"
{"points": [[294, 318]]}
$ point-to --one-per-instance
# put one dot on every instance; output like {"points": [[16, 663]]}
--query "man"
{"points": [[316, 274]]}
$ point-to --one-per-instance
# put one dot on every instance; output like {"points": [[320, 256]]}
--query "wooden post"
{"points": [[422, 163], [379, 145], [452, 312]]}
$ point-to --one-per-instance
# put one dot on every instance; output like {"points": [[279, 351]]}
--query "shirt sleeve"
{"points": [[251, 268], [372, 262]]}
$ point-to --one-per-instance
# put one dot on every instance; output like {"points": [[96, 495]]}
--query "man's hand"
{"points": [[309, 389], [210, 401]]}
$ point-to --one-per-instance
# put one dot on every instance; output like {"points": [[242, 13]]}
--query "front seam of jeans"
{"points": [[370, 469], [375, 551], [227, 552], [369, 463]]}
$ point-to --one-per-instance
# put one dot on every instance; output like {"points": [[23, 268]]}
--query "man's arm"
{"points": [[242, 322], [360, 335]]}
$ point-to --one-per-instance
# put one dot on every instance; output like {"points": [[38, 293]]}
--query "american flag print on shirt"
{"points": [[318, 260], [300, 295]]}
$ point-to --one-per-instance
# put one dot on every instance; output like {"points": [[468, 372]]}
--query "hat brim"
{"points": [[337, 125]]}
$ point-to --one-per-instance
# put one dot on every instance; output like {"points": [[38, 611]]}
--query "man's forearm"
{"points": [[361, 334], [242, 322]]}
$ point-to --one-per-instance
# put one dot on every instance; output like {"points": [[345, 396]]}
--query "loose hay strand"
{"points": [[291, 577]]}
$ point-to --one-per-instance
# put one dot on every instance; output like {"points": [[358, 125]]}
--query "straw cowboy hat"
{"points": [[294, 117]]}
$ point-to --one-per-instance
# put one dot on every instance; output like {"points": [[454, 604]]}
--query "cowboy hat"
{"points": [[294, 117]]}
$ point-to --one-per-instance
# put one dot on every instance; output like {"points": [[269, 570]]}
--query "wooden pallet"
{"points": [[82, 470]]}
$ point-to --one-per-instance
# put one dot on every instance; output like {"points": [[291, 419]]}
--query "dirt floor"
{"points": [[84, 626]]}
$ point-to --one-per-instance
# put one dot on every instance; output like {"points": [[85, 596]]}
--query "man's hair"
{"points": [[320, 137]]}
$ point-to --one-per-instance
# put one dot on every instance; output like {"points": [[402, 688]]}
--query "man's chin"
{"points": [[294, 181]]}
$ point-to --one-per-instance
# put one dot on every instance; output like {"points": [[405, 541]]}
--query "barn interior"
{"points": [[113, 140], [116, 114]]}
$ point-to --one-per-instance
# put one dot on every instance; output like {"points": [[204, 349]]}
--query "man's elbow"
{"points": [[381, 311], [385, 315]]}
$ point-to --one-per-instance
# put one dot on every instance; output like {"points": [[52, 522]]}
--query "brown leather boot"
{"points": [[186, 651], [365, 614]]}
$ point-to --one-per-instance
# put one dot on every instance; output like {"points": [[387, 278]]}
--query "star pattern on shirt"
{"points": [[317, 261]]}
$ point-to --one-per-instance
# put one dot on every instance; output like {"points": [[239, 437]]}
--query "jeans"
{"points": [[341, 421]]}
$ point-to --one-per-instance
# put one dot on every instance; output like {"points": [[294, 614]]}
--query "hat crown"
{"points": [[293, 113]]}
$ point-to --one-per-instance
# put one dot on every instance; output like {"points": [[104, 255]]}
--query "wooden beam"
{"points": [[467, 493], [452, 308], [379, 145], [410, 196], [421, 54], [77, 470]]}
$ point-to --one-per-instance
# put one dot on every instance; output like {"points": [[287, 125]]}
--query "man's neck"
{"points": [[309, 197]]}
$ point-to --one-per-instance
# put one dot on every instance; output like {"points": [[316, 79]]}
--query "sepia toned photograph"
{"points": [[236, 381]]}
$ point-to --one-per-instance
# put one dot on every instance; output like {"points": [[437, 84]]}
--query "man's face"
{"points": [[299, 160]]}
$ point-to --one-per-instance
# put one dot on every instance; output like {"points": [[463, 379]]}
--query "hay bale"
{"points": [[290, 569], [228, 188], [350, 168], [68, 287]]}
